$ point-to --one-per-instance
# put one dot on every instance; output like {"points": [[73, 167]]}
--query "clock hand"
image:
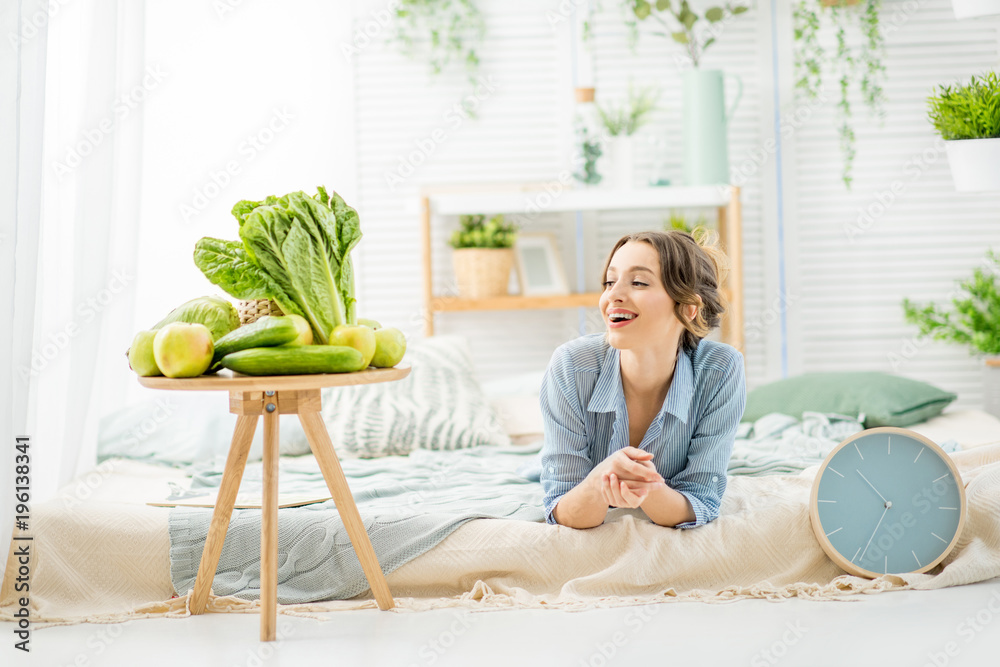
{"points": [[872, 485], [887, 506]]}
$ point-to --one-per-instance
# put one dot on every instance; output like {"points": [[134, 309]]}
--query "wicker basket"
{"points": [[251, 311], [482, 272]]}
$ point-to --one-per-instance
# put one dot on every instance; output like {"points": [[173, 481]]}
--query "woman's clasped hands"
{"points": [[626, 478]]}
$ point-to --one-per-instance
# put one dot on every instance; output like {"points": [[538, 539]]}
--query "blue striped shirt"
{"points": [[691, 438]]}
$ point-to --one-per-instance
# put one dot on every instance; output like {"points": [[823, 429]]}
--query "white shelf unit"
{"points": [[518, 198]]}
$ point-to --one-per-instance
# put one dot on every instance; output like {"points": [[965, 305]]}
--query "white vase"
{"points": [[991, 386], [965, 9], [619, 172], [975, 164]]}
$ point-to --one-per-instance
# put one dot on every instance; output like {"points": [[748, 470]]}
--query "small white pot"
{"points": [[975, 164], [965, 9], [619, 170]]}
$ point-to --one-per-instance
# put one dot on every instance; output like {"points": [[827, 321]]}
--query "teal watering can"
{"points": [[706, 126]]}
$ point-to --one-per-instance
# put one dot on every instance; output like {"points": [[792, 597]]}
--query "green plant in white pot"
{"points": [[973, 321], [705, 115], [620, 123], [968, 118]]}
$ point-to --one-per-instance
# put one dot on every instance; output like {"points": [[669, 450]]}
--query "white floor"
{"points": [[954, 626]]}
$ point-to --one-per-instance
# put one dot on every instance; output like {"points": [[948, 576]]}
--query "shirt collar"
{"points": [[608, 392], [678, 401]]}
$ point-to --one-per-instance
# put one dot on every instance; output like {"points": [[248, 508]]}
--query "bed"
{"points": [[453, 507]]}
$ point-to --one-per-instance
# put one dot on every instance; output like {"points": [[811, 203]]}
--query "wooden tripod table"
{"points": [[270, 396]]}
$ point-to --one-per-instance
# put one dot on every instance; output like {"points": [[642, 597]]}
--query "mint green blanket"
{"points": [[408, 504]]}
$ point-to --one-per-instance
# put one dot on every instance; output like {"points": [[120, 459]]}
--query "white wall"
{"points": [[517, 136], [653, 62]]}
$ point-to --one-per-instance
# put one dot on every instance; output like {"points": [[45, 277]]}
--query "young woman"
{"points": [[645, 414]]}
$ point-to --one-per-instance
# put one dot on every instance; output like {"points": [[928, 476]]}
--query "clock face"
{"points": [[887, 500]]}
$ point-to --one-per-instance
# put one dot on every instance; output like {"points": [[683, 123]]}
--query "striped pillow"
{"points": [[439, 405]]}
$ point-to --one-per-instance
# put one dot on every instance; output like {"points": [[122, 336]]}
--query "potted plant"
{"points": [[968, 119], [965, 9], [586, 126], [861, 63], [705, 116], [682, 223], [973, 322], [483, 255], [589, 150], [620, 123]]}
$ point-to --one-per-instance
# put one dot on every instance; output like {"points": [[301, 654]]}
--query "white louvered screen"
{"points": [[520, 135], [653, 63], [514, 138], [848, 278]]}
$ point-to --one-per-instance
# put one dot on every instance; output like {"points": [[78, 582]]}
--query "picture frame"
{"points": [[539, 265]]}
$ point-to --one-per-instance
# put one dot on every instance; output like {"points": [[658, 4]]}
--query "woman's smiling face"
{"points": [[633, 289]]}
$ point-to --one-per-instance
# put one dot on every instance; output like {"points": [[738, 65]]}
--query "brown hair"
{"points": [[690, 267]]}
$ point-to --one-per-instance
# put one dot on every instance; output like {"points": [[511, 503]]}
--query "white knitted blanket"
{"points": [[105, 562]]}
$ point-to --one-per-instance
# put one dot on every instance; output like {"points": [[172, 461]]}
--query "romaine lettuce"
{"points": [[227, 265], [295, 250]]}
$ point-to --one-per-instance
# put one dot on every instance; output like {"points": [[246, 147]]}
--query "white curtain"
{"points": [[22, 103], [78, 185]]}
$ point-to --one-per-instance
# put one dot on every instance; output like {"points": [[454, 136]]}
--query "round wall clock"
{"points": [[887, 501]]}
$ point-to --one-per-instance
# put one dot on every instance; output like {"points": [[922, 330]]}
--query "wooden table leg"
{"points": [[326, 457], [236, 461], [269, 523]]}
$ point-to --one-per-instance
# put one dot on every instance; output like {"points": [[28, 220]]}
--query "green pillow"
{"points": [[885, 400]]}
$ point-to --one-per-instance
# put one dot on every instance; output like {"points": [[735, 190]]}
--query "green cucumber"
{"points": [[265, 332], [295, 360]]}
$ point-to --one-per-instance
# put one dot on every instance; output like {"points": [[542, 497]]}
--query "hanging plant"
{"points": [[445, 31], [626, 8], [862, 63]]}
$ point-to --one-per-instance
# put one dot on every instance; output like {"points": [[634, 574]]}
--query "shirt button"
{"points": [[551, 469], [714, 478]]}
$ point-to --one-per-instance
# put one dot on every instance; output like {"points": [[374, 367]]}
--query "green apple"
{"points": [[358, 336], [305, 336], [390, 346], [371, 324], [183, 350], [140, 355]]}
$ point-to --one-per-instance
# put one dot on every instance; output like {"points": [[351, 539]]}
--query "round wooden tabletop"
{"points": [[226, 380]]}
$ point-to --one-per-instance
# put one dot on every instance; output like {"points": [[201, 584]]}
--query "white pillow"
{"points": [[515, 400], [970, 428], [522, 384], [520, 415], [178, 428], [438, 406]]}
